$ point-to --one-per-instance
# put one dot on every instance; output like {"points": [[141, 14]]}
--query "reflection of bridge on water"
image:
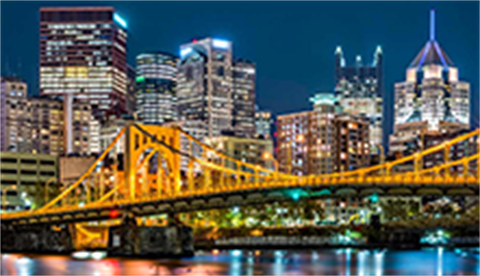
{"points": [[153, 182]]}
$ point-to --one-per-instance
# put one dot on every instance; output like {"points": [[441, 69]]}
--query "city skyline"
{"points": [[303, 76]]}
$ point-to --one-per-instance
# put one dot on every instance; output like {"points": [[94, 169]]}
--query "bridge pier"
{"points": [[39, 238], [130, 239]]}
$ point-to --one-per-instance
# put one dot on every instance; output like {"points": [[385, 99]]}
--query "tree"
{"points": [[36, 194]]}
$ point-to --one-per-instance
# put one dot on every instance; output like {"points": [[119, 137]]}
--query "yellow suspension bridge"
{"points": [[156, 176]]}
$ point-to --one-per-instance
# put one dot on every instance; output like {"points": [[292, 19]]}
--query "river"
{"points": [[428, 261]]}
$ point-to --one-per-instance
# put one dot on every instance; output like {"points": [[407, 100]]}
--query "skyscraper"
{"points": [[48, 131], [243, 113], [359, 90], [15, 119], [83, 53], [292, 141], [131, 89], [322, 140], [432, 98], [263, 124], [156, 82], [205, 84]]}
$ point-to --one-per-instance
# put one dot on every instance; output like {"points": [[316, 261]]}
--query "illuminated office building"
{"points": [[321, 138], [293, 132], [21, 172], [83, 53], [131, 90], [359, 90], [156, 81], [352, 145], [243, 113], [48, 129], [47, 125], [263, 124], [432, 99], [205, 84], [249, 150], [195, 128], [14, 109]]}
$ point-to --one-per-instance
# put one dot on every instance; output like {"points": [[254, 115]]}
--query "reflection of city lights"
{"points": [[23, 261], [97, 255], [81, 254], [236, 253]]}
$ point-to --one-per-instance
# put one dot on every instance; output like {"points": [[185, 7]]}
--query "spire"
{"points": [[432, 53], [358, 60], [377, 55], [338, 50], [432, 25]]}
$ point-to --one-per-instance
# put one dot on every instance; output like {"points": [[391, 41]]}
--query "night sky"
{"points": [[292, 43]]}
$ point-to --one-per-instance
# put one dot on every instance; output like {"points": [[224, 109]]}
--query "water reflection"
{"points": [[438, 261]]}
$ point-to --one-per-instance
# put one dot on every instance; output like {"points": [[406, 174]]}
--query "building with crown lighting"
{"points": [[83, 54], [359, 90], [431, 99], [205, 84]]}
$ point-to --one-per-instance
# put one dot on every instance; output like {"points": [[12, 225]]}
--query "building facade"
{"points": [[205, 84], [321, 138], [359, 90], [293, 140], [83, 53], [14, 115], [432, 98], [20, 172], [48, 129], [352, 142], [249, 150], [263, 124], [131, 90], [195, 128], [243, 113], [156, 84], [457, 151]]}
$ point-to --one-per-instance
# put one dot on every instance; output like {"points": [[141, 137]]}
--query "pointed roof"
{"points": [[431, 53]]}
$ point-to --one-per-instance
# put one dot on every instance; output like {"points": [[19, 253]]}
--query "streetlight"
{"points": [[4, 197], [268, 156]]}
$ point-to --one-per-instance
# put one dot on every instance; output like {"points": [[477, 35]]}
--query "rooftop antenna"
{"points": [[432, 25]]}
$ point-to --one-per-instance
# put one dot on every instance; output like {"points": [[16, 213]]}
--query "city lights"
{"points": [[171, 157], [120, 20]]}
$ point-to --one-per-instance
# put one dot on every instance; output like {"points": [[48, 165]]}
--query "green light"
{"points": [[374, 198], [140, 79], [323, 98], [296, 194]]}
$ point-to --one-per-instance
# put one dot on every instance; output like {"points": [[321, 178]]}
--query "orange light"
{"points": [[266, 155], [257, 252], [215, 251]]}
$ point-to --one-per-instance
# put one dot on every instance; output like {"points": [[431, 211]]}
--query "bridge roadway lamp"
{"points": [[269, 156]]}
